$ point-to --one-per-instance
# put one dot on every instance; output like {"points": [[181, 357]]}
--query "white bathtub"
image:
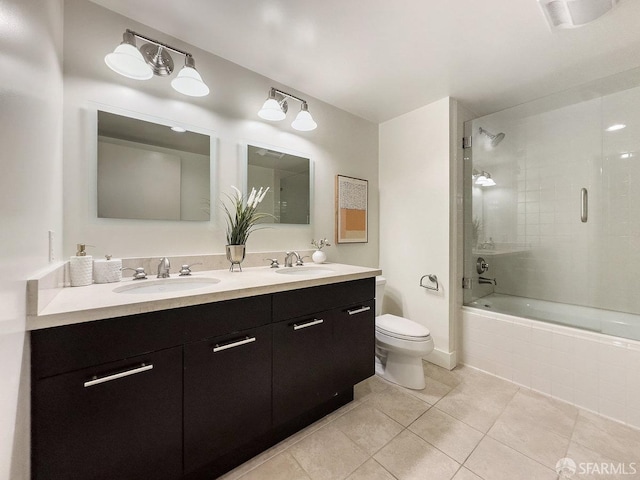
{"points": [[619, 324], [585, 356]]}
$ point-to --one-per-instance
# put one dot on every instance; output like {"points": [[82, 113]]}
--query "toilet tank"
{"points": [[380, 283]]}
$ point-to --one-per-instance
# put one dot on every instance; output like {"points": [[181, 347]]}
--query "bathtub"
{"points": [[581, 355], [619, 324]]}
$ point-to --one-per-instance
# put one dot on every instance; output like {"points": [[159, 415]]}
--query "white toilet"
{"points": [[400, 345]]}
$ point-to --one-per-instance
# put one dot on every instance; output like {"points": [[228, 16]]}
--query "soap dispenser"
{"points": [[81, 267]]}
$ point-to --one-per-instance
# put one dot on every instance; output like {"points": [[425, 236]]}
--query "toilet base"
{"points": [[404, 370]]}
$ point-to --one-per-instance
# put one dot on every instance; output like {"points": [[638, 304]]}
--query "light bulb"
{"points": [[127, 60], [189, 82], [304, 122]]}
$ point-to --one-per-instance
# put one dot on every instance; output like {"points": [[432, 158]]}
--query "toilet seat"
{"points": [[401, 328]]}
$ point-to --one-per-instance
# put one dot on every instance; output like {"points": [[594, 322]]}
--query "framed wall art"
{"points": [[351, 210]]}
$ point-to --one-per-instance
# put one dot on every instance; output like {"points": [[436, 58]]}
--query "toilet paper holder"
{"points": [[433, 279]]}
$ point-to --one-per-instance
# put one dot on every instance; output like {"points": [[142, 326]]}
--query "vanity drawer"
{"points": [[72, 347], [221, 318], [298, 303]]}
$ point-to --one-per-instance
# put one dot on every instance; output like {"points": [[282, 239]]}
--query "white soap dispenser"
{"points": [[81, 267]]}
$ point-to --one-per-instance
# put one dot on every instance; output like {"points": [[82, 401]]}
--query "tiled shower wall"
{"points": [[540, 168], [593, 371]]}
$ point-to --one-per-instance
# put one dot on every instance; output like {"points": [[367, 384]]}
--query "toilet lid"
{"points": [[400, 327]]}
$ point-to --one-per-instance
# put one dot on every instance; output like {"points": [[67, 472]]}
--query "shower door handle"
{"points": [[584, 205]]}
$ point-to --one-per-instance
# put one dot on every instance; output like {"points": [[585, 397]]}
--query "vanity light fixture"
{"points": [[483, 179], [178, 129], [154, 59], [275, 108]]}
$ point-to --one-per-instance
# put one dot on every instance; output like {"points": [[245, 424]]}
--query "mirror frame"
{"points": [[92, 145], [243, 174]]}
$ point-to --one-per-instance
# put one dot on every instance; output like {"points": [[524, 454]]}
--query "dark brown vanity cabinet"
{"points": [[302, 377], [227, 394], [115, 419], [192, 392], [321, 352]]}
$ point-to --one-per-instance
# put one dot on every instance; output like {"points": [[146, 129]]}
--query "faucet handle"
{"points": [[140, 273], [300, 261], [186, 269], [274, 262]]}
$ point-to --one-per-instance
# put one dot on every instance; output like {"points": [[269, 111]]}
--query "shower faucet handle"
{"points": [[481, 265]]}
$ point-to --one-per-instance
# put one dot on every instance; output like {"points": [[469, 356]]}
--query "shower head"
{"points": [[495, 139]]}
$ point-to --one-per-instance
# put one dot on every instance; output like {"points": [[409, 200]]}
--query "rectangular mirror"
{"points": [[151, 171], [288, 177]]}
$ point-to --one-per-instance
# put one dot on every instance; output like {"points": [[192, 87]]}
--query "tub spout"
{"points": [[484, 280]]}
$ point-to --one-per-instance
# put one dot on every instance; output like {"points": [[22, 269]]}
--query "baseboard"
{"points": [[446, 360]]}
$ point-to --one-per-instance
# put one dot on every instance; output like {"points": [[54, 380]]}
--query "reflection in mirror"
{"points": [[288, 179], [151, 171]]}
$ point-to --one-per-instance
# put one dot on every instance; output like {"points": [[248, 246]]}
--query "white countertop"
{"points": [[99, 301]]}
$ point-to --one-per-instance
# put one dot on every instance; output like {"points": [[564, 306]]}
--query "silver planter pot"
{"points": [[235, 255]]}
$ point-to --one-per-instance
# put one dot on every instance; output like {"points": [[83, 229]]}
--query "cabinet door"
{"points": [[301, 366], [353, 356], [119, 420], [227, 394]]}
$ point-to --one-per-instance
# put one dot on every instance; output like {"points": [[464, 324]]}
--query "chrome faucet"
{"points": [[287, 259], [163, 268], [489, 281]]}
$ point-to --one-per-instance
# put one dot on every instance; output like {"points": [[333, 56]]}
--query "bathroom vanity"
{"points": [[193, 391]]}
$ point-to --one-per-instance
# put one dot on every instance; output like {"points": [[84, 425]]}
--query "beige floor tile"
{"points": [[432, 392], [495, 461], [442, 375], [373, 384], [609, 438], [397, 404], [408, 457], [328, 454], [368, 428], [464, 474], [478, 400], [449, 435], [521, 433], [546, 412], [590, 464], [280, 467], [371, 470]]}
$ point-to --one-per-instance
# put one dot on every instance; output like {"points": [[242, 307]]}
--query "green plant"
{"points": [[242, 216], [323, 242]]}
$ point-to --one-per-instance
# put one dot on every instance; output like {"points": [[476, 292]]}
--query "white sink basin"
{"points": [[308, 271], [166, 285]]}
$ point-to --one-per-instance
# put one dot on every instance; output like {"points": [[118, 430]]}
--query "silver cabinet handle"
{"points": [[298, 326], [358, 310], [584, 205], [220, 347], [115, 376]]}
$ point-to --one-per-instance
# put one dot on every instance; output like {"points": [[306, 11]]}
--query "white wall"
{"points": [[31, 186], [415, 220], [342, 144]]}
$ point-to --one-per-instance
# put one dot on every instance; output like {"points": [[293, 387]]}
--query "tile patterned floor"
{"points": [[464, 425]]}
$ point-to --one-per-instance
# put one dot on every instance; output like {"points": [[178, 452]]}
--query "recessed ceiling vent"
{"points": [[574, 13]]}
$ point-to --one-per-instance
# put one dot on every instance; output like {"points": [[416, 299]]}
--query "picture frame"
{"points": [[352, 224]]}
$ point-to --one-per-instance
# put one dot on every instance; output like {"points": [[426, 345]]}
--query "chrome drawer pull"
{"points": [[224, 346], [298, 326], [358, 310], [115, 376]]}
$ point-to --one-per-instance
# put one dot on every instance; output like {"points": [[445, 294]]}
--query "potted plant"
{"points": [[319, 256], [242, 217]]}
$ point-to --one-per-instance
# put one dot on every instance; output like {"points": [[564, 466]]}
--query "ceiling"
{"points": [[379, 59]]}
